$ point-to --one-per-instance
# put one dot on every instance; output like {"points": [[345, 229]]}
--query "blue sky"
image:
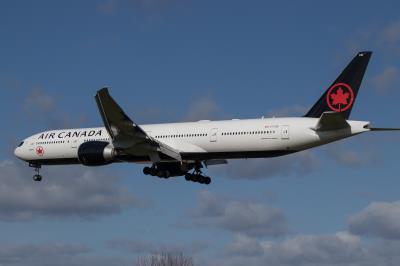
{"points": [[173, 60]]}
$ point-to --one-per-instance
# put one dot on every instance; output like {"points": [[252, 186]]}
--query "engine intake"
{"points": [[95, 153]]}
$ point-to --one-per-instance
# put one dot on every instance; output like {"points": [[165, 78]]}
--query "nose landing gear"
{"points": [[36, 177]]}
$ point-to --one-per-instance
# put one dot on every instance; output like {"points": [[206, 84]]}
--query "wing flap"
{"points": [[163, 148]]}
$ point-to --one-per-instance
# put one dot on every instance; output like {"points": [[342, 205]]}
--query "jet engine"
{"points": [[95, 153]]}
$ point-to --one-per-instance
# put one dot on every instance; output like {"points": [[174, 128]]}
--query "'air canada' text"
{"points": [[70, 134]]}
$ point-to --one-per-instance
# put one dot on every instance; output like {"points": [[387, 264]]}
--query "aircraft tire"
{"points": [[188, 177], [146, 170], [160, 173], [167, 174], [37, 178], [153, 171]]}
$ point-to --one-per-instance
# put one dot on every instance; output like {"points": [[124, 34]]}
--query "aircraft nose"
{"points": [[18, 151]]}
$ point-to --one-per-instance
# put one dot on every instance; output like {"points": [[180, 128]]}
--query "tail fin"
{"points": [[342, 94]]}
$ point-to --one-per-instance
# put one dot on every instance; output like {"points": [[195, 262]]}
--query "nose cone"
{"points": [[18, 153]]}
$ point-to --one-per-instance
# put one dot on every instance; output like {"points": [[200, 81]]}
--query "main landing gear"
{"points": [[36, 177], [156, 172], [197, 176], [163, 171]]}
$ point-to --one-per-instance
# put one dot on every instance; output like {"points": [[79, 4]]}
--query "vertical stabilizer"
{"points": [[341, 95]]}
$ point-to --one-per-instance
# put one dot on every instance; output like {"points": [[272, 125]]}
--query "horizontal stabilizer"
{"points": [[215, 162], [331, 121], [384, 129]]}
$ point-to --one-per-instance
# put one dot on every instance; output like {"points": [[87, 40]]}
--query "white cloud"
{"points": [[244, 246], [387, 79], [41, 108], [391, 33], [307, 249], [380, 219], [240, 216], [382, 39], [52, 254], [66, 191], [300, 163], [38, 101], [108, 7], [148, 247], [341, 248], [350, 152], [293, 110], [203, 108]]}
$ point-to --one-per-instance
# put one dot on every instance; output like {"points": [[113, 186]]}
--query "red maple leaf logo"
{"points": [[39, 151], [340, 97]]}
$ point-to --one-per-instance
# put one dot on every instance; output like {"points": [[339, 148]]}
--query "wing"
{"points": [[126, 134], [331, 121]]}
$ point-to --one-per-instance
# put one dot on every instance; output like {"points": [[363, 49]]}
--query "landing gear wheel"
{"points": [[198, 178], [207, 180], [161, 174], [146, 170], [153, 171], [167, 174], [188, 176], [37, 178]]}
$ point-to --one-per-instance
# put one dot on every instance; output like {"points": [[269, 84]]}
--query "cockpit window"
{"points": [[22, 143]]}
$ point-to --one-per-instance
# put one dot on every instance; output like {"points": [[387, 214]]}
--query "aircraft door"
{"points": [[284, 132], [213, 135]]}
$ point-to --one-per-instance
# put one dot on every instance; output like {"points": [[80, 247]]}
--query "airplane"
{"points": [[184, 149]]}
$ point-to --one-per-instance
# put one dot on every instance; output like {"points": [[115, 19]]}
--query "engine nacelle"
{"points": [[95, 153]]}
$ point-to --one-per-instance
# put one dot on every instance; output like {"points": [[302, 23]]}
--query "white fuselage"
{"points": [[203, 140]]}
